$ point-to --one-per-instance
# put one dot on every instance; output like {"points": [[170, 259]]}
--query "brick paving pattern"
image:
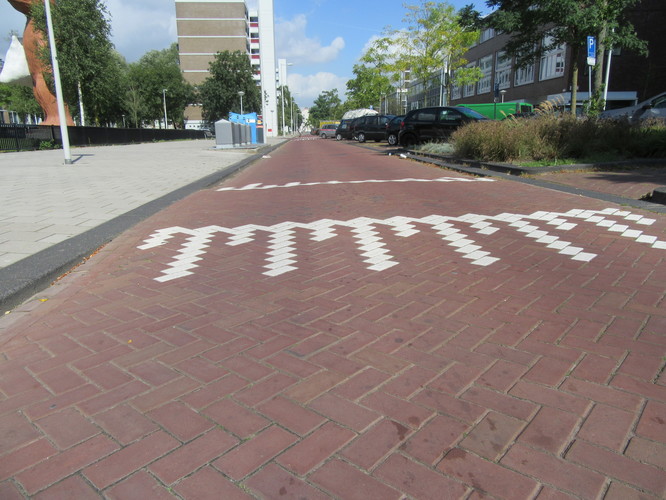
{"points": [[631, 183], [538, 376]]}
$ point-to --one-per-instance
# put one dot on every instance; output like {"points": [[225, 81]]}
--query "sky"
{"points": [[321, 39]]}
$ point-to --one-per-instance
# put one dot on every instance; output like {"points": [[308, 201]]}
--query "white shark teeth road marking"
{"points": [[282, 254], [250, 187]]}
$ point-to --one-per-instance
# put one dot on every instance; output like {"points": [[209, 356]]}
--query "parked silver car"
{"points": [[654, 107], [328, 130]]}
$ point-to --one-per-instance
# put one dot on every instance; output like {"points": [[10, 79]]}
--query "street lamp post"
{"points": [[292, 114], [502, 92], [58, 87], [165, 113], [282, 103], [241, 94], [282, 74]]}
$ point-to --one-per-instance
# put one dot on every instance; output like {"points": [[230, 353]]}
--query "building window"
{"points": [[503, 70], [552, 62], [486, 35], [456, 92], [486, 66], [468, 89], [524, 75]]}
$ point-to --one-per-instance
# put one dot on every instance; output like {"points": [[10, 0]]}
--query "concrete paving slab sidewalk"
{"points": [[54, 214]]}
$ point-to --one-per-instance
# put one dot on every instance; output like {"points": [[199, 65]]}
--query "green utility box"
{"points": [[500, 110]]}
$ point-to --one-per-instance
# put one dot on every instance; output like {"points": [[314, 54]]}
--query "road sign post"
{"points": [[591, 62], [591, 50]]}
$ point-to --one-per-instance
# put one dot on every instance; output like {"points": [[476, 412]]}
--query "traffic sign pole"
{"points": [[591, 62]]}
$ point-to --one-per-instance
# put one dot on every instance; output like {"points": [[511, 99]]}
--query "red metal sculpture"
{"points": [[32, 40]]}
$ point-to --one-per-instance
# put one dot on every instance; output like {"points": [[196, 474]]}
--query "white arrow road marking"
{"points": [[282, 255]]}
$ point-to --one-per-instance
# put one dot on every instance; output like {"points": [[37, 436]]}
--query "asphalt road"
{"points": [[331, 322]]}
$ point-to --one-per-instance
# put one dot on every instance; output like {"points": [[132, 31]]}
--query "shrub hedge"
{"points": [[549, 137]]}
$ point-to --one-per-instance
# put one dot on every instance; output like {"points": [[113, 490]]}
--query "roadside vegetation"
{"points": [[102, 89], [549, 139]]}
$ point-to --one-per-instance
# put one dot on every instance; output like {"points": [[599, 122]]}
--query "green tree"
{"points": [[538, 27], [368, 86], [89, 69], [436, 39], [133, 105], [292, 114], [144, 95], [386, 75], [230, 73], [327, 106], [20, 99]]}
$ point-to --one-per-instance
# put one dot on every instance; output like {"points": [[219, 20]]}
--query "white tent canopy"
{"points": [[356, 113]]}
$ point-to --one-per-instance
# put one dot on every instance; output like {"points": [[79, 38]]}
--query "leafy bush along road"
{"points": [[548, 138]]}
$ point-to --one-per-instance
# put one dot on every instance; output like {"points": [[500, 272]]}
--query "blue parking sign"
{"points": [[591, 50]]}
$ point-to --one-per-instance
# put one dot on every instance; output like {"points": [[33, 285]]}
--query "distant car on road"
{"points": [[328, 131], [655, 107], [434, 124]]}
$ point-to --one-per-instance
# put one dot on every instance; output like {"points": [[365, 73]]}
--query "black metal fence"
{"points": [[16, 137]]}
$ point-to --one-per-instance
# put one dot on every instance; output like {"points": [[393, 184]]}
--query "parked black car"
{"points": [[434, 124], [344, 130], [371, 127], [392, 130]]}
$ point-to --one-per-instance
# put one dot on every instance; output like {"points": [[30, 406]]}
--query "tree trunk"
{"points": [[599, 67], [81, 111], [574, 78]]}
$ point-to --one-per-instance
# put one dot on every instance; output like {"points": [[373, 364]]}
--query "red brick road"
{"points": [[448, 338], [634, 183]]}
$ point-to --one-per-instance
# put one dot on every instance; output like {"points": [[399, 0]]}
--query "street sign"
{"points": [[591, 50]]}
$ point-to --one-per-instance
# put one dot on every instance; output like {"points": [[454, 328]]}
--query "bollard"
{"points": [[223, 134], [235, 128]]}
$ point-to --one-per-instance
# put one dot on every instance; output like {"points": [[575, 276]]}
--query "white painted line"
{"points": [[250, 187]]}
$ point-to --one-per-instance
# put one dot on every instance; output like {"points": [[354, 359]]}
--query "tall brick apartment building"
{"points": [[632, 77]]}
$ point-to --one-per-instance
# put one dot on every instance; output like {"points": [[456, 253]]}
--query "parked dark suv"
{"points": [[344, 131], [392, 130], [371, 127], [434, 124]]}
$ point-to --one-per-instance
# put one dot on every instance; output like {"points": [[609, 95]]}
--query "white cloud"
{"points": [[138, 27], [308, 87], [293, 44], [368, 44]]}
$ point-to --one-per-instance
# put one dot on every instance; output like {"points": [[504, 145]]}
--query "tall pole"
{"points": [[241, 94], [295, 118], [166, 123], [56, 78], [282, 99], [608, 64], [292, 115]]}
